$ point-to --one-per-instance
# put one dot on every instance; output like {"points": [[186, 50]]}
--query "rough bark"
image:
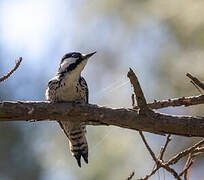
{"points": [[97, 115]]}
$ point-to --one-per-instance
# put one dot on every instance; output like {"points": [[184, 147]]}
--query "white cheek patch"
{"points": [[66, 63]]}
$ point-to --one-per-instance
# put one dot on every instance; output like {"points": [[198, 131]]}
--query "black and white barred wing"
{"points": [[84, 90], [51, 91]]}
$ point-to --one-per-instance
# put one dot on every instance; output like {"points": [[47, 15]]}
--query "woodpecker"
{"points": [[68, 85]]}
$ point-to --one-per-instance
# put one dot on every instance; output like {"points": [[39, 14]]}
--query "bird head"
{"points": [[73, 62]]}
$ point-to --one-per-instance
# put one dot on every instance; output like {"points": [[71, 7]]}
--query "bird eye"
{"points": [[74, 55]]}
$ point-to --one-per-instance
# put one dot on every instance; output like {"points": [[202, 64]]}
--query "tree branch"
{"points": [[141, 118], [196, 81], [145, 120], [183, 101], [12, 71], [187, 167], [97, 115], [131, 176], [141, 101], [144, 110], [148, 148], [182, 154], [163, 148]]}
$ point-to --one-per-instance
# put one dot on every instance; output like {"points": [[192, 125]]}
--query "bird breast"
{"points": [[69, 90]]}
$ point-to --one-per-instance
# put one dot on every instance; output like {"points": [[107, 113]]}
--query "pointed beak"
{"points": [[88, 55]]}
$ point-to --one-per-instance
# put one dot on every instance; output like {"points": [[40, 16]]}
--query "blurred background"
{"points": [[160, 40]]}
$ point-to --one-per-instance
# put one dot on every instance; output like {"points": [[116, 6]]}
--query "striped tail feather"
{"points": [[77, 140]]}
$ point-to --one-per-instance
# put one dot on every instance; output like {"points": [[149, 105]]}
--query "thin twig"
{"points": [[163, 149], [12, 71], [190, 161], [151, 174], [196, 81], [131, 176], [198, 151], [183, 101], [188, 164], [180, 155], [187, 174], [148, 147], [197, 87], [141, 101], [172, 171]]}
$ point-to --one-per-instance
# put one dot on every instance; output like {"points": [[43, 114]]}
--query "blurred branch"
{"points": [[131, 176], [184, 153], [12, 71], [160, 158], [186, 170], [196, 81], [149, 149], [197, 87], [163, 149]]}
